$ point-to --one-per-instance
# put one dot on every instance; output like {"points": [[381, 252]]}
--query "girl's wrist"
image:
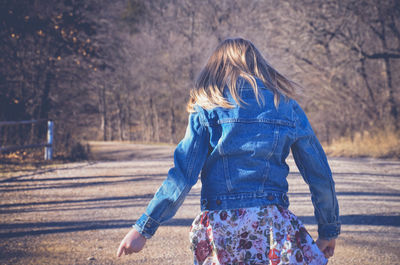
{"points": [[142, 233], [326, 238]]}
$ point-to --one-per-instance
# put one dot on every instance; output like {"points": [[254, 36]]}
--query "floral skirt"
{"points": [[258, 235]]}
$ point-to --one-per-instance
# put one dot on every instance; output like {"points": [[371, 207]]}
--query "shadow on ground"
{"points": [[41, 228]]}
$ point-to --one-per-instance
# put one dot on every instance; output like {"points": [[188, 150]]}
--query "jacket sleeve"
{"points": [[189, 157], [312, 163]]}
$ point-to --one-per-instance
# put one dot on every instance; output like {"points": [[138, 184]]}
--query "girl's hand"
{"points": [[326, 246], [132, 242]]}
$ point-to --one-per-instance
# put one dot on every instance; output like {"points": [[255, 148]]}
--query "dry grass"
{"points": [[27, 160], [383, 144]]}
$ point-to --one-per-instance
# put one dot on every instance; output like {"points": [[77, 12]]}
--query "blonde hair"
{"points": [[234, 58]]}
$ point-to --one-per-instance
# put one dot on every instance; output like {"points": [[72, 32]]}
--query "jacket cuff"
{"points": [[328, 231], [146, 226]]}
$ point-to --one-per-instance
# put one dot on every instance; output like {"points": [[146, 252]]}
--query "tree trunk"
{"points": [[103, 112], [155, 122], [172, 125], [45, 100], [392, 101]]}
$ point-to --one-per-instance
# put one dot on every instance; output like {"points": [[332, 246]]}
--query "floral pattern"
{"points": [[259, 235]]}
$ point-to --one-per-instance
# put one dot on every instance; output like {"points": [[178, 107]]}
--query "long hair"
{"points": [[231, 59]]}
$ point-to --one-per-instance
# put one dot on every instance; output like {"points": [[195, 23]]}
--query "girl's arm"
{"points": [[189, 157], [311, 160]]}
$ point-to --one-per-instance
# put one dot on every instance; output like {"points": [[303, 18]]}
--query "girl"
{"points": [[242, 125]]}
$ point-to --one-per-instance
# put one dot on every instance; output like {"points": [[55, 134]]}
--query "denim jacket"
{"points": [[241, 154]]}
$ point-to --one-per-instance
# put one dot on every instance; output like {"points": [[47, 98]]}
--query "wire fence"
{"points": [[18, 135]]}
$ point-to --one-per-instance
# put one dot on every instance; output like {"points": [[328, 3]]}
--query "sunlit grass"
{"points": [[26, 160], [379, 143]]}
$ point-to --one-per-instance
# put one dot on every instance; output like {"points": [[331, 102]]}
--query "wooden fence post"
{"points": [[48, 150]]}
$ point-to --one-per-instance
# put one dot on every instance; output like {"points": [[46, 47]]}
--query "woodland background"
{"points": [[121, 70]]}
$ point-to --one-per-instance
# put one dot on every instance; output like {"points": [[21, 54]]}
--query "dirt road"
{"points": [[77, 213]]}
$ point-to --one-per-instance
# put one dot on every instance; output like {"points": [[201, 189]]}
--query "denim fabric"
{"points": [[241, 154]]}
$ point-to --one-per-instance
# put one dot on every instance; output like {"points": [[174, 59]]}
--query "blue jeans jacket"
{"points": [[241, 154]]}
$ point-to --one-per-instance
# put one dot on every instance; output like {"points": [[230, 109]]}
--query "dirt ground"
{"points": [[77, 213]]}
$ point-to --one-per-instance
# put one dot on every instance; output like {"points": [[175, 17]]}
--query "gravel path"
{"points": [[77, 213]]}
